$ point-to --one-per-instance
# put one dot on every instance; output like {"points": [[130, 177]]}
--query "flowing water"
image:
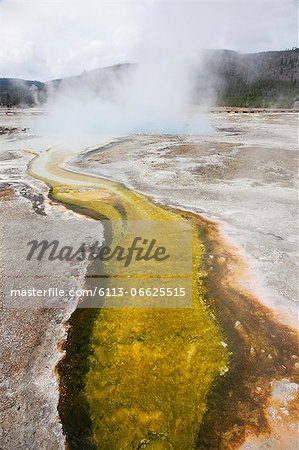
{"points": [[149, 369], [165, 378]]}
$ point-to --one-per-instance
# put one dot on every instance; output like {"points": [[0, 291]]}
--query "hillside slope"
{"points": [[266, 79], [15, 92]]}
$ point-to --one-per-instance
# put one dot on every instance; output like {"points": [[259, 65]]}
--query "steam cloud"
{"points": [[156, 94], [153, 95]]}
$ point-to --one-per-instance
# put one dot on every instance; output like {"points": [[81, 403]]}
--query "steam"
{"points": [[153, 95], [168, 85]]}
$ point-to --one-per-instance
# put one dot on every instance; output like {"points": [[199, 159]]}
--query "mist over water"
{"points": [[167, 87], [146, 100], [152, 95]]}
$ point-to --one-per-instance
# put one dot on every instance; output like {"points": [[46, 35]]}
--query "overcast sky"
{"points": [[50, 39]]}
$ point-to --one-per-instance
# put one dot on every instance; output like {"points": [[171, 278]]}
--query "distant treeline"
{"points": [[262, 93], [267, 79], [16, 92]]}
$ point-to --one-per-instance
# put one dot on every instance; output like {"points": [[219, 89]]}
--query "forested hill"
{"points": [[267, 79], [15, 92]]}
